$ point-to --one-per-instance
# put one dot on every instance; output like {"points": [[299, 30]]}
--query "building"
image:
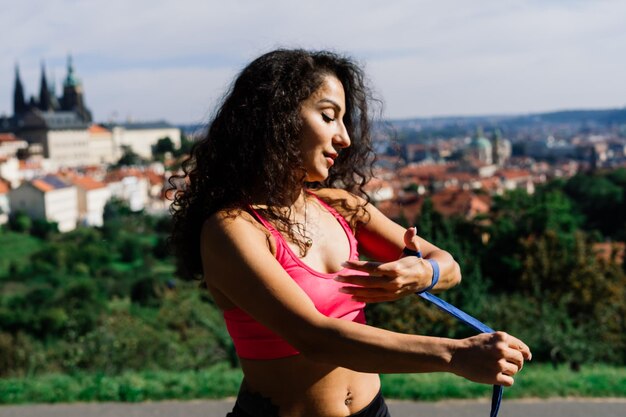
{"points": [[59, 125], [5, 208], [141, 137], [10, 145], [92, 196], [10, 170], [102, 149], [129, 185], [480, 149], [48, 198]]}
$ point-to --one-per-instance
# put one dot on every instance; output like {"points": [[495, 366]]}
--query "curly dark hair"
{"points": [[250, 149]]}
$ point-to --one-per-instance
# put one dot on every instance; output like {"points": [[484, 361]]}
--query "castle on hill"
{"points": [[48, 108], [61, 128]]}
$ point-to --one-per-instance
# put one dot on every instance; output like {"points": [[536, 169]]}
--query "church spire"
{"points": [[45, 101], [19, 103], [71, 80], [72, 99]]}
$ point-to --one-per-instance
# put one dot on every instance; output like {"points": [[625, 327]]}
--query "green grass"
{"points": [[535, 380], [217, 382], [17, 248], [221, 381]]}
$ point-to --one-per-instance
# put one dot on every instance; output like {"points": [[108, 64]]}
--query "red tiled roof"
{"points": [[4, 187], [489, 184], [96, 129], [8, 137], [120, 174], [42, 186], [29, 164], [465, 203], [448, 202], [87, 183], [512, 174], [376, 184], [49, 183], [423, 171], [154, 178]]}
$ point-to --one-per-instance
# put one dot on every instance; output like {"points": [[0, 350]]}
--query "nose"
{"points": [[341, 139]]}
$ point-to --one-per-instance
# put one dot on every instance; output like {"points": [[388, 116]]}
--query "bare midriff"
{"points": [[301, 387]]}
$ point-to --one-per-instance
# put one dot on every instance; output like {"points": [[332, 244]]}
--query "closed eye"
{"points": [[327, 118]]}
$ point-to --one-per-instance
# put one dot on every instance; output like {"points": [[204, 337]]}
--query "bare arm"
{"points": [[239, 264]]}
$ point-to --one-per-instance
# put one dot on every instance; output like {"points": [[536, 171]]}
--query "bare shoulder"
{"points": [[225, 223], [233, 230]]}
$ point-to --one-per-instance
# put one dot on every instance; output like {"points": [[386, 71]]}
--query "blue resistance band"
{"points": [[496, 397]]}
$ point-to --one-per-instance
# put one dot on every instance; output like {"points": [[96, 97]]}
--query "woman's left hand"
{"points": [[388, 281]]}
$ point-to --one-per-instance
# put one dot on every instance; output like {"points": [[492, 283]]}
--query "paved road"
{"points": [[511, 408]]}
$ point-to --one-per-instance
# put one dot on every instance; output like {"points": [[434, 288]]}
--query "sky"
{"points": [[173, 60]]}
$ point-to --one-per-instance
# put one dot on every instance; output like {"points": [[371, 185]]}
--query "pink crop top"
{"points": [[252, 340]]}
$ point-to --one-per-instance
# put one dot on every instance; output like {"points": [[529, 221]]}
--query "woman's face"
{"points": [[323, 133]]}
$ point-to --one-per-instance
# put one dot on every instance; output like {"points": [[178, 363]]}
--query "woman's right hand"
{"points": [[490, 358]]}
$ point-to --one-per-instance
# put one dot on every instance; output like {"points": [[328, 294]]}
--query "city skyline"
{"points": [[173, 60]]}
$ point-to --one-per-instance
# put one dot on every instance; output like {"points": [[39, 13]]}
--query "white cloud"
{"points": [[445, 57]]}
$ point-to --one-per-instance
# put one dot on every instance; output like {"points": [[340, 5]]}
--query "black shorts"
{"points": [[254, 405]]}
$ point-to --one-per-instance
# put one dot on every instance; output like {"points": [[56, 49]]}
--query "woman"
{"points": [[273, 215]]}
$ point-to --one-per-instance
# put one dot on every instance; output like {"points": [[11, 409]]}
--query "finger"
{"points": [[372, 300], [365, 266], [370, 281], [515, 357], [376, 298], [409, 234], [416, 243], [504, 380], [509, 368], [390, 269], [517, 344]]}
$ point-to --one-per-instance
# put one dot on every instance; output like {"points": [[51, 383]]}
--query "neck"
{"points": [[293, 201]]}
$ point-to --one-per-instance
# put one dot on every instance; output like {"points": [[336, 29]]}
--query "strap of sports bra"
{"points": [[264, 222]]}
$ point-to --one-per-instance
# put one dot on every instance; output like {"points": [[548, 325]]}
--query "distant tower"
{"points": [[45, 99], [72, 99], [53, 94], [495, 147], [480, 148], [19, 103]]}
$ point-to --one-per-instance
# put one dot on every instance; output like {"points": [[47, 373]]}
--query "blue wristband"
{"points": [[435, 280], [435, 265]]}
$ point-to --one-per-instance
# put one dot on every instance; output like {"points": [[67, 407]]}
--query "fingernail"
{"points": [[339, 279], [344, 290]]}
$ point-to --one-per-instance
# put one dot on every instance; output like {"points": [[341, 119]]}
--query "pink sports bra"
{"points": [[252, 340]]}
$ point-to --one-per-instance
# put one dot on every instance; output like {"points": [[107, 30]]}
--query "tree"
{"points": [[185, 146], [601, 201], [162, 147], [42, 228], [515, 217], [20, 222], [129, 157]]}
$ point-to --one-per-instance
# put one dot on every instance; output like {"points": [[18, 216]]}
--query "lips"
{"points": [[330, 158]]}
